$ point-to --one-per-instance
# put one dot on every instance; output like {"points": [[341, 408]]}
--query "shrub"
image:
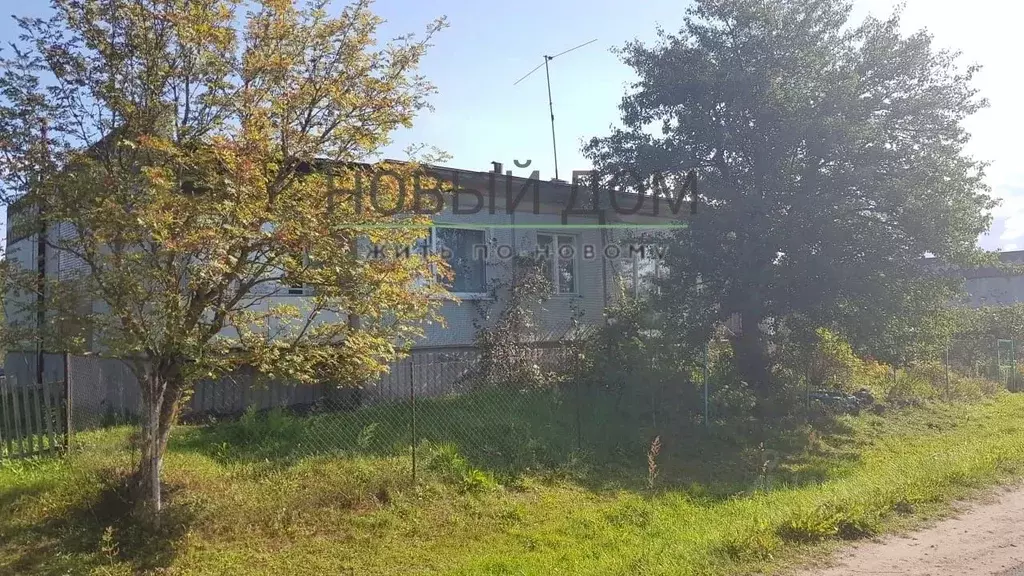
{"points": [[908, 388], [946, 384], [505, 339], [474, 480], [829, 362], [259, 434], [451, 467], [444, 459], [870, 372], [618, 353], [832, 362]]}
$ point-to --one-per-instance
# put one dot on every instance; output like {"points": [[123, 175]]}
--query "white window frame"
{"points": [[433, 250], [300, 290], [635, 270], [556, 279]]}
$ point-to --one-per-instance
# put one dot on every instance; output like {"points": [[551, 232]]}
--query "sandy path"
{"points": [[983, 538]]}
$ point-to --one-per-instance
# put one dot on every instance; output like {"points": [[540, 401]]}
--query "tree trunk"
{"points": [[160, 410], [752, 360]]}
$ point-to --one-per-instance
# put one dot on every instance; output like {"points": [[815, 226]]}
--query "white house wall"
{"points": [[596, 278], [995, 290]]}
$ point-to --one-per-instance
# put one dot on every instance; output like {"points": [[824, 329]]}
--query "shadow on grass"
{"points": [[96, 533], [10, 496], [597, 441]]}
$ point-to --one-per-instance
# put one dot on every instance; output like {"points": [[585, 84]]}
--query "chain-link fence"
{"points": [[434, 399], [532, 409], [987, 358]]}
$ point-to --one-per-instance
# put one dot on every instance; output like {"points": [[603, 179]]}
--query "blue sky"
{"points": [[481, 117]]}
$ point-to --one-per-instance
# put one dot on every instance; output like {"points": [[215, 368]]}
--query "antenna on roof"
{"points": [[551, 105]]}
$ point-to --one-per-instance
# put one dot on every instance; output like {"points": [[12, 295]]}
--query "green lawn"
{"points": [[501, 491]]}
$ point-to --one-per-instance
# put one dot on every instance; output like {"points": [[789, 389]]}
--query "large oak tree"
{"points": [[830, 158]]}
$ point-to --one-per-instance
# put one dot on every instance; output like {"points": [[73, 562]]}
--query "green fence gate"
{"points": [[1006, 360]]}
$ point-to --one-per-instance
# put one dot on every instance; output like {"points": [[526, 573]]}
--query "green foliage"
{"points": [[729, 399], [833, 361], [629, 357], [755, 542], [475, 480], [949, 385], [193, 158], [820, 359], [367, 435], [991, 322], [618, 353], [830, 362], [445, 460], [631, 512], [908, 388], [507, 340], [779, 108], [809, 526], [825, 360], [268, 433], [848, 521]]}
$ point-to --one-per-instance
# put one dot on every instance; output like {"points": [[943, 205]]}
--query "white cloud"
{"points": [[1009, 247], [1012, 211]]}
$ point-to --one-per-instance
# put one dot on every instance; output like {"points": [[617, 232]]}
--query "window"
{"points": [[301, 289], [560, 264], [458, 247], [645, 268]]}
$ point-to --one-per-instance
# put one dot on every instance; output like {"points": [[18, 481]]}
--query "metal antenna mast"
{"points": [[551, 104]]}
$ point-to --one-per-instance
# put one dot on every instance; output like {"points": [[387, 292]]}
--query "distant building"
{"points": [[994, 287]]}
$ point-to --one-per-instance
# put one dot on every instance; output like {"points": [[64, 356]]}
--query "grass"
{"points": [[502, 489]]}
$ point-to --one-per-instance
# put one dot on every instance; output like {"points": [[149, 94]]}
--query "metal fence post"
{"points": [[807, 390], [999, 363], [654, 408], [6, 427], [412, 402], [948, 393], [67, 402], [1013, 365], [707, 422], [579, 416]]}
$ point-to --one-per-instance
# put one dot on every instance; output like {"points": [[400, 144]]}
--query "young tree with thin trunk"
{"points": [[188, 159]]}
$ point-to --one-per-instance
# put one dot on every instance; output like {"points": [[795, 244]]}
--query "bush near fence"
{"points": [[445, 396]]}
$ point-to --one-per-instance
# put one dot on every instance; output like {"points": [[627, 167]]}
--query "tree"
{"points": [[190, 169], [507, 336], [830, 160]]}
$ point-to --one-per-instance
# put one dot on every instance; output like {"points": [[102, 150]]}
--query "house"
{"points": [[594, 252], [595, 244], [990, 286], [596, 249]]}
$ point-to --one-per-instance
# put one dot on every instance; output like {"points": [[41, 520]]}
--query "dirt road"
{"points": [[984, 538]]}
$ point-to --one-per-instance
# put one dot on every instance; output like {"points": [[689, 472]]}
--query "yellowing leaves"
{"points": [[219, 167]]}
